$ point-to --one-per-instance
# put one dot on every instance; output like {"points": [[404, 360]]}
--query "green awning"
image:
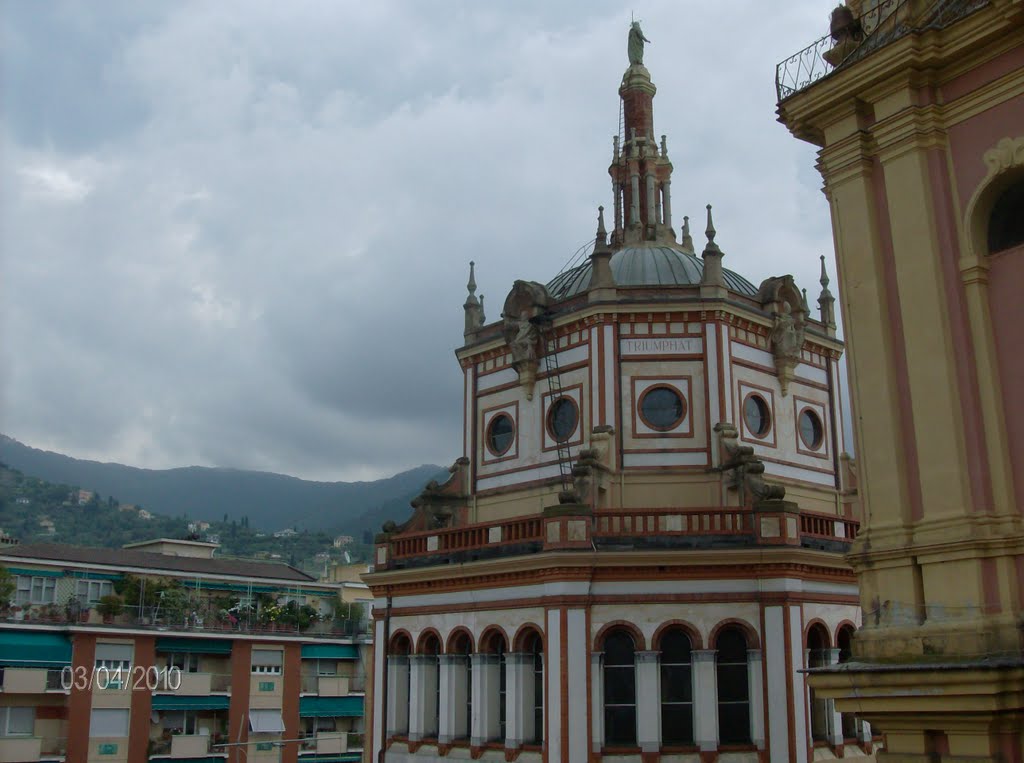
{"points": [[28, 649], [193, 645], [180, 702], [331, 707], [330, 652], [36, 573]]}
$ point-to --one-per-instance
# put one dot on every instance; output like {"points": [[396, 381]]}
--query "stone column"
{"points": [[619, 192], [452, 677], [597, 700], [398, 694], [666, 202], [634, 199], [485, 699], [648, 701], [518, 699], [705, 699], [755, 684], [835, 719], [651, 203]]}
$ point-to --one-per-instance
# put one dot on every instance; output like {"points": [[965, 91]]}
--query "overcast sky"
{"points": [[238, 233]]}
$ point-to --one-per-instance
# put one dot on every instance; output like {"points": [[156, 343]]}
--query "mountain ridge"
{"points": [[271, 500]]}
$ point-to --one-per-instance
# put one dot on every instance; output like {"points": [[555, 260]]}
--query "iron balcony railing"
{"points": [[883, 22]]}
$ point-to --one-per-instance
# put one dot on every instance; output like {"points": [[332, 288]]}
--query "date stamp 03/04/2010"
{"points": [[124, 677]]}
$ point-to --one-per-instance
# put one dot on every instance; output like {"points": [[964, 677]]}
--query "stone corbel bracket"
{"points": [[780, 297], [744, 470]]}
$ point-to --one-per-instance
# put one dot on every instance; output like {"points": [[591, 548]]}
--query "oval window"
{"points": [[756, 415], [811, 430], [662, 408], [500, 433], [563, 416]]}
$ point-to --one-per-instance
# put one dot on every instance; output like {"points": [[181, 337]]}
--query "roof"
{"points": [[639, 266], [124, 557]]}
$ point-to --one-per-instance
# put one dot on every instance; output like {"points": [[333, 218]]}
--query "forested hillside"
{"points": [[269, 501]]}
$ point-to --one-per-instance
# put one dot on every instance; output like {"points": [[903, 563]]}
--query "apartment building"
{"points": [[162, 651]]}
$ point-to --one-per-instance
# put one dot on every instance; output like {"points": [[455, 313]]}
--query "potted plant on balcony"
{"points": [[110, 606]]}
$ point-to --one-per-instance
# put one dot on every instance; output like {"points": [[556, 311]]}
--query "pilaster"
{"points": [[597, 701], [518, 699], [705, 698], [485, 722], [398, 694], [648, 701], [755, 684], [452, 676]]}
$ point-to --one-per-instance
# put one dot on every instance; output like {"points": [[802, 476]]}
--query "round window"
{"points": [[500, 433], [756, 415], [563, 417], [662, 408], [811, 431]]}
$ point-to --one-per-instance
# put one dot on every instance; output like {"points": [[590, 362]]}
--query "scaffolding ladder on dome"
{"points": [[551, 367]]}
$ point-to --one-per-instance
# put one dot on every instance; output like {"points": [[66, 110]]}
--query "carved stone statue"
{"points": [[745, 468], [525, 304], [787, 339], [635, 47]]}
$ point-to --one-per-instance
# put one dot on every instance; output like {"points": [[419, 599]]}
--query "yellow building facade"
{"points": [[918, 108]]}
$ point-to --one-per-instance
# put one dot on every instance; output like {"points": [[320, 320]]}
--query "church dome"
{"points": [[639, 266]]}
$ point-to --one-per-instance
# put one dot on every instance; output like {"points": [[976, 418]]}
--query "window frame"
{"points": [[6, 713], [668, 704], [625, 709], [648, 421], [25, 590]]}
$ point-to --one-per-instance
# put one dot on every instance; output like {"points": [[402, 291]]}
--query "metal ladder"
{"points": [[555, 388]]}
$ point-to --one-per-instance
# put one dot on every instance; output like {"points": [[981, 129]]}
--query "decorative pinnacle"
{"points": [[684, 235], [664, 147], [615, 147], [483, 318], [601, 232], [471, 285], [825, 293], [710, 233], [803, 301]]}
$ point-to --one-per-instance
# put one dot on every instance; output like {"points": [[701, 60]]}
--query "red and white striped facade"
{"points": [[507, 598]]}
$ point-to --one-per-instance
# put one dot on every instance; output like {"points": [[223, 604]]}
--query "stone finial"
{"points": [[826, 302], [712, 281], [803, 302], [483, 318], [474, 307], [710, 233], [685, 238], [471, 285], [664, 147], [615, 148], [602, 234]]}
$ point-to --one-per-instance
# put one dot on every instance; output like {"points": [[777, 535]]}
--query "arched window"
{"points": [[817, 657], [430, 645], [463, 646], [533, 645], [1006, 220], [733, 687], [843, 641], [676, 688], [619, 688], [494, 644], [398, 680]]}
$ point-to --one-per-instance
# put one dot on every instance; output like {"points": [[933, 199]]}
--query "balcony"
{"points": [[29, 680], [330, 742], [618, 530], [14, 749], [881, 23], [179, 746], [327, 686], [203, 620]]}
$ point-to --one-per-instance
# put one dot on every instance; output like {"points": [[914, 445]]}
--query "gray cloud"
{"points": [[237, 233]]}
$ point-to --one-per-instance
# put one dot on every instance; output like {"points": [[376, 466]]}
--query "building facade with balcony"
{"points": [[164, 652], [918, 109], [642, 544]]}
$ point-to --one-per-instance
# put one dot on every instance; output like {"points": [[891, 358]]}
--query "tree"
{"points": [[6, 588]]}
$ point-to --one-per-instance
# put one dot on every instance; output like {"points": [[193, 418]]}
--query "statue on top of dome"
{"points": [[635, 47]]}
